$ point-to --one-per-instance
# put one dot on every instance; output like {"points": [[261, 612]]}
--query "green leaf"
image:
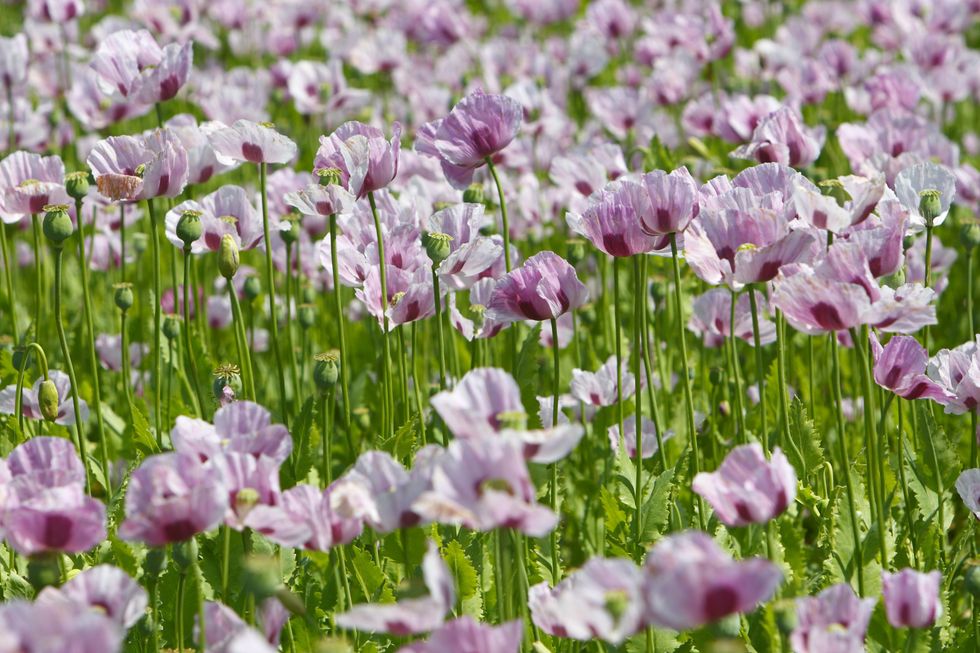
{"points": [[656, 510], [141, 436], [803, 451], [938, 451], [304, 456], [369, 581], [467, 582], [526, 368]]}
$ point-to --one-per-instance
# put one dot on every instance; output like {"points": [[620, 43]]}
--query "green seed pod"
{"points": [[930, 205], [289, 229], [155, 562], [57, 224], [227, 375], [437, 245], [228, 258], [326, 370], [970, 235], [329, 176], [576, 250], [77, 184], [185, 554], [42, 571], [474, 194], [171, 326], [306, 314], [122, 294], [971, 580], [308, 295], [47, 398], [252, 288], [189, 227]]}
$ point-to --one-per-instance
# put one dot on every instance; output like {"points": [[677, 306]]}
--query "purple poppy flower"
{"points": [[139, 168], [367, 161], [121, 60], [409, 295], [483, 326], [588, 170], [781, 137], [241, 427], [227, 210], [968, 487], [465, 634], [648, 437], [28, 183], [226, 632], [823, 211], [171, 498], [957, 371], [249, 481], [322, 201], [478, 127], [880, 239], [612, 223], [483, 483], [747, 488], [692, 582], [604, 599], [912, 181], [56, 627], [548, 445], [912, 598], [202, 161], [32, 409], [107, 590], [834, 621], [250, 141], [389, 489], [665, 203], [305, 517], [711, 318], [162, 80], [408, 616], [14, 56], [545, 287], [900, 366], [741, 114], [480, 403], [599, 388], [45, 462]]}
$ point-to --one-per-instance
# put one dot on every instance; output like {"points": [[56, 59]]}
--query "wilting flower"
{"points": [[367, 161], [545, 287], [227, 210], [483, 483], [781, 137], [106, 590], [28, 183], [912, 598], [603, 599], [465, 634], [692, 582], [250, 141], [241, 427], [600, 388], [408, 616], [47, 627], [900, 366], [171, 498], [305, 517], [834, 621], [747, 488], [648, 437], [31, 406]]}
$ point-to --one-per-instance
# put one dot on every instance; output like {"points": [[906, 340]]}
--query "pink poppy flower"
{"points": [[385, 492], [900, 366], [139, 168], [747, 488], [612, 221], [322, 201], [741, 114], [367, 161], [782, 137], [242, 427], [600, 388], [834, 621], [912, 181], [711, 318], [47, 627], [665, 203], [968, 487], [912, 598], [483, 326], [202, 161], [28, 183], [480, 403], [465, 634], [250, 141], [32, 408], [305, 517], [171, 498], [226, 632], [227, 210], [957, 371], [692, 582], [249, 481], [478, 127], [823, 211], [545, 287], [648, 437], [408, 616], [604, 599], [105, 590], [14, 56]]}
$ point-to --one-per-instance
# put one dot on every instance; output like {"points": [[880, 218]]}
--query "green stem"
{"points": [[781, 375], [505, 227], [339, 309], [202, 637], [157, 318], [38, 279], [241, 341], [271, 289], [386, 347], [620, 409], [638, 346], [8, 278], [197, 397], [909, 521], [875, 444], [225, 561], [439, 335], [327, 470], [685, 373], [179, 614], [736, 374], [648, 366], [294, 370], [553, 494], [418, 379], [760, 368]]}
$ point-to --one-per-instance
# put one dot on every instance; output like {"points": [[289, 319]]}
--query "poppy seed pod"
{"points": [[47, 399], [326, 370], [970, 235], [189, 227], [252, 288], [306, 314], [57, 224], [77, 184], [185, 554], [171, 327], [289, 229], [122, 294], [576, 250], [155, 562], [329, 176], [437, 245], [930, 205], [308, 295], [474, 194], [228, 257], [227, 376]]}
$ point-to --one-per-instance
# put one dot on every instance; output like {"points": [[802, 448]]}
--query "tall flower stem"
{"points": [[76, 403], [781, 375], [339, 314], [293, 368], [927, 280], [90, 326], [760, 368], [38, 279], [326, 406], [553, 491], [196, 397], [970, 324], [127, 377], [8, 279], [157, 318], [19, 396], [271, 289], [685, 373], [901, 471], [620, 410], [122, 242], [505, 226], [638, 348], [437, 296], [386, 346], [875, 445], [648, 366], [736, 373], [241, 341], [202, 636], [417, 383], [845, 465], [179, 610]]}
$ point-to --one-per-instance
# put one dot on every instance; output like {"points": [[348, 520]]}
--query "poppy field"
{"points": [[489, 326]]}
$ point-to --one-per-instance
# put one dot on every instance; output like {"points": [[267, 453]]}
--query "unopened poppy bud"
{"points": [[185, 554], [47, 398], [289, 229], [228, 258], [261, 576], [122, 294], [57, 224], [724, 408], [155, 562], [171, 326], [715, 375], [326, 370], [930, 205], [576, 250], [252, 287], [227, 375], [474, 194], [437, 245], [329, 176], [77, 184], [970, 234], [727, 627], [785, 616], [309, 295], [971, 580], [306, 315], [189, 227]]}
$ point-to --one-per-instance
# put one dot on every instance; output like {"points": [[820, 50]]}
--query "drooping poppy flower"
{"points": [[912, 598], [747, 488]]}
